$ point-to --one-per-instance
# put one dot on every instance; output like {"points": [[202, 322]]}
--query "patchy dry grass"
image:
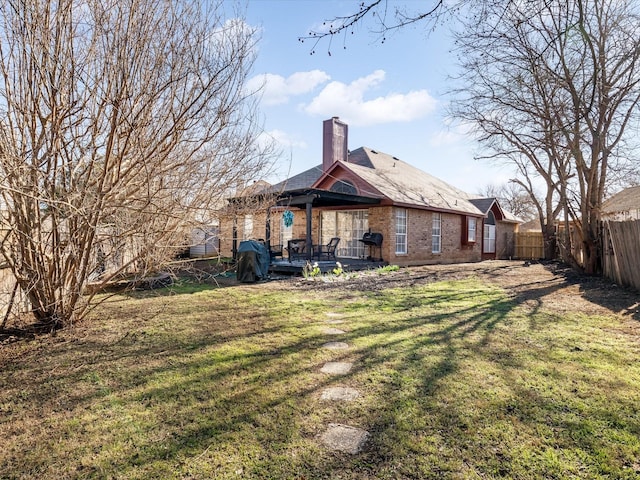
{"points": [[457, 379]]}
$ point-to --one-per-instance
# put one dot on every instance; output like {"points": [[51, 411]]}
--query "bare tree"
{"points": [[384, 17], [552, 87], [122, 124], [558, 87]]}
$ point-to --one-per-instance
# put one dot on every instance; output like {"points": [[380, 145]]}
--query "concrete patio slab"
{"points": [[344, 438], [337, 368]]}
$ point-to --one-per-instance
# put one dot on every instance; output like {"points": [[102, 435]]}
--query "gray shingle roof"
{"points": [[405, 184], [400, 182], [299, 181], [483, 204]]}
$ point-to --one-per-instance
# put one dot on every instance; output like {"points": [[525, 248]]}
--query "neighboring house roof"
{"points": [[531, 226], [299, 181], [623, 201], [256, 187], [404, 184]]}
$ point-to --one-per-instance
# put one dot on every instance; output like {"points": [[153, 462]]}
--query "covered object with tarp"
{"points": [[253, 261]]}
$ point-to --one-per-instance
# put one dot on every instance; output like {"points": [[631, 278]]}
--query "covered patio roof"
{"points": [[314, 197], [307, 198]]}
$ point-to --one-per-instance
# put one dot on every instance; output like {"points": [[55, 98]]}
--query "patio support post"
{"points": [[234, 237], [309, 246], [267, 228]]}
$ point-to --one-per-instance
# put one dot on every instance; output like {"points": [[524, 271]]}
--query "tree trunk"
{"points": [[549, 237]]}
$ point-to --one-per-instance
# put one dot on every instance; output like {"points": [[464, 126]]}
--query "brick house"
{"points": [[422, 219]]}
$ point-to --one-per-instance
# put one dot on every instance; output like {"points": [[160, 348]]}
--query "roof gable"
{"points": [[483, 204], [404, 184], [492, 203], [338, 172]]}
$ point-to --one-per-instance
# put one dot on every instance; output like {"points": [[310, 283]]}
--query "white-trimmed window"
{"points": [[401, 231], [471, 230], [436, 233]]}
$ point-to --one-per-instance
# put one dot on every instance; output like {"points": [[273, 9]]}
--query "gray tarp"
{"points": [[253, 261]]}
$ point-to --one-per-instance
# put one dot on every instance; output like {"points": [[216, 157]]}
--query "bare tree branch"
{"points": [[123, 125]]}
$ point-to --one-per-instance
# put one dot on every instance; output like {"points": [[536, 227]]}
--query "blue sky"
{"points": [[391, 94]]}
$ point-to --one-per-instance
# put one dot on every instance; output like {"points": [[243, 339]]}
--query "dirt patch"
{"points": [[548, 285]]}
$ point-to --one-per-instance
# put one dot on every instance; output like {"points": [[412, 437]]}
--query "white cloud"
{"points": [[277, 89], [282, 138], [348, 102], [454, 133]]}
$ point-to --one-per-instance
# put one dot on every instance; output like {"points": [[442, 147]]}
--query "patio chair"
{"points": [[275, 251], [296, 249], [327, 251]]}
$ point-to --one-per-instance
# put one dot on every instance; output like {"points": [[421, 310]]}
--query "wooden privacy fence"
{"points": [[529, 245], [621, 252]]}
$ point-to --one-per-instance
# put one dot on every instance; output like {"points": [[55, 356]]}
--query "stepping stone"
{"points": [[344, 438], [337, 368], [333, 314], [336, 345], [332, 331], [335, 322], [344, 394]]}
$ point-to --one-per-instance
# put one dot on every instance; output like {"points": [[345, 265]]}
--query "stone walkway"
{"points": [[337, 436]]}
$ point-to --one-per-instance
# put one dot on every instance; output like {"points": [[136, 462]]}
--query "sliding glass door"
{"points": [[350, 226]]}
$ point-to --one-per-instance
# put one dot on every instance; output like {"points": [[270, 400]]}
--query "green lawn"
{"points": [[457, 381]]}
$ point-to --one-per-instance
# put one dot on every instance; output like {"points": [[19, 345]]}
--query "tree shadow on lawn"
{"points": [[244, 397], [443, 425], [181, 394], [600, 290]]}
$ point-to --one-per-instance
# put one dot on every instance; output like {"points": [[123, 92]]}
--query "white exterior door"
{"points": [[489, 243]]}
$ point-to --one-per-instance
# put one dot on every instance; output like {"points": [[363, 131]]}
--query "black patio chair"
{"points": [[296, 249], [328, 251], [275, 251]]}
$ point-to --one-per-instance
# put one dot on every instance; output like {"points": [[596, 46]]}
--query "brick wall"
{"points": [[382, 220], [419, 242]]}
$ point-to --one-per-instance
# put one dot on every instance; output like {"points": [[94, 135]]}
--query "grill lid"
{"points": [[372, 238]]}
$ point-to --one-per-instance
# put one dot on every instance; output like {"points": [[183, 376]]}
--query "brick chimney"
{"points": [[334, 142]]}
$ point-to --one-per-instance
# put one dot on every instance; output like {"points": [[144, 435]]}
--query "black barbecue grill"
{"points": [[373, 240]]}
